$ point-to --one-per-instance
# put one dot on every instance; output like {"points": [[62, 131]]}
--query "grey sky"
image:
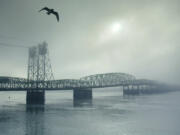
{"points": [[83, 43]]}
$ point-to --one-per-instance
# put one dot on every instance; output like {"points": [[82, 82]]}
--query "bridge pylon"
{"points": [[39, 71]]}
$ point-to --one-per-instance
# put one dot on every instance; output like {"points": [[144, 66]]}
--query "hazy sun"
{"points": [[111, 32], [116, 27]]}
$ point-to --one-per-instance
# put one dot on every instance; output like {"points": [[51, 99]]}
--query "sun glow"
{"points": [[116, 27], [111, 32]]}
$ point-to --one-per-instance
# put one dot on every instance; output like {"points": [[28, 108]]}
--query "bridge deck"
{"points": [[67, 84]]}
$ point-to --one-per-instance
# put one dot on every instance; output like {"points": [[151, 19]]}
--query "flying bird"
{"points": [[50, 11]]}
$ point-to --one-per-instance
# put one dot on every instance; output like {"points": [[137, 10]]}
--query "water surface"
{"points": [[111, 113]]}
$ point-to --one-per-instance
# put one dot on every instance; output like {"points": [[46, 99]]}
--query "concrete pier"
{"points": [[35, 97], [141, 89], [131, 90], [82, 96]]}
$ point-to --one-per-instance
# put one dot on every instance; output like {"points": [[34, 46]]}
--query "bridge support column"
{"points": [[82, 96], [133, 90], [136, 90], [35, 97], [126, 90]]}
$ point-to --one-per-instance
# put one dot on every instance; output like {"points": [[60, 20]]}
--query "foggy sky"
{"points": [[82, 43]]}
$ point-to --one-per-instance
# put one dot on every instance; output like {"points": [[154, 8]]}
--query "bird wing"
{"points": [[45, 8], [57, 15]]}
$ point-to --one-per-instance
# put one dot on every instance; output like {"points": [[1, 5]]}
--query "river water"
{"points": [[111, 113]]}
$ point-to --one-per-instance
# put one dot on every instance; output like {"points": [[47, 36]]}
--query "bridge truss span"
{"points": [[93, 81], [40, 78], [109, 79], [20, 84], [10, 83]]}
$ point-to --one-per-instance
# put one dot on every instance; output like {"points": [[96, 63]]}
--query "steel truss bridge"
{"points": [[92, 81], [40, 78]]}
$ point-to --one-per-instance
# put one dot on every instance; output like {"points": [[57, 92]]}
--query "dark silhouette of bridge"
{"points": [[93, 81], [40, 78]]}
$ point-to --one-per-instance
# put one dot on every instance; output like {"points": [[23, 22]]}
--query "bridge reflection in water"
{"points": [[35, 120]]}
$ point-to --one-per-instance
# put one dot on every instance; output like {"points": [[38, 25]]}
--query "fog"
{"points": [[140, 37]]}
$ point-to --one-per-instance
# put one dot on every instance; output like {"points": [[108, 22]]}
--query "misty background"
{"points": [[87, 41]]}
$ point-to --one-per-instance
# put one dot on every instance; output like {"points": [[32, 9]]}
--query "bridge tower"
{"points": [[39, 71]]}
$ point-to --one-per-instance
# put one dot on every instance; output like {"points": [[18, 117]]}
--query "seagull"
{"points": [[50, 11]]}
